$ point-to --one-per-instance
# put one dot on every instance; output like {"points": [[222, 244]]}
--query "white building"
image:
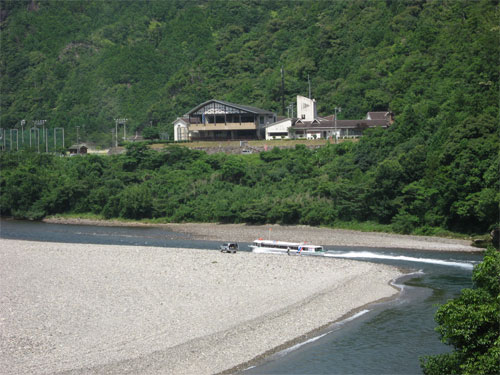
{"points": [[181, 132], [279, 129], [310, 126], [306, 108], [306, 111], [220, 120]]}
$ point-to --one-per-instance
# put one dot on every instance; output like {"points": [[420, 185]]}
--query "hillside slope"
{"points": [[433, 63]]}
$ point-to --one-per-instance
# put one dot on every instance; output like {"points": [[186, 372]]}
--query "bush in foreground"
{"points": [[471, 324]]}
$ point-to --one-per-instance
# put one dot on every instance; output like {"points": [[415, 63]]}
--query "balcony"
{"points": [[223, 126]]}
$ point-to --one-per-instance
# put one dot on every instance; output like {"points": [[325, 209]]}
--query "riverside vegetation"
{"points": [[324, 186], [471, 324]]}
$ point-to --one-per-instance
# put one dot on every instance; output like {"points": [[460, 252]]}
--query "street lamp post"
{"points": [[23, 122]]}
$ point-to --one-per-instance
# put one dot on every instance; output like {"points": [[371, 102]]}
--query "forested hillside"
{"points": [[433, 63]]}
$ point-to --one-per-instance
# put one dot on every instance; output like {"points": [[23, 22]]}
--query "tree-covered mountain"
{"points": [[84, 63], [433, 63]]}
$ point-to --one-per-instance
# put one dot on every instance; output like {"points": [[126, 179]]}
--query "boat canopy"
{"points": [[285, 245]]}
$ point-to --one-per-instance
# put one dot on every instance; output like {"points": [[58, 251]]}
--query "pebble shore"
{"points": [[297, 233], [93, 309], [321, 236]]}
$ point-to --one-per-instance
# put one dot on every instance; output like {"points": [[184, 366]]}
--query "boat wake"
{"points": [[372, 255]]}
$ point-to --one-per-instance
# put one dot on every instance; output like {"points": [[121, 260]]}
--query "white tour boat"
{"points": [[269, 246]]}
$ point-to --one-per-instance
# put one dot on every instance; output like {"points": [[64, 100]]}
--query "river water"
{"points": [[385, 338]]}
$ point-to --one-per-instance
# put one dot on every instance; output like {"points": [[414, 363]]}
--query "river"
{"points": [[385, 338]]}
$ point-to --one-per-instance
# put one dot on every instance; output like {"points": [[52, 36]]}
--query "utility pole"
{"points": [[339, 110], [309, 83], [283, 90], [55, 138], [77, 140]]}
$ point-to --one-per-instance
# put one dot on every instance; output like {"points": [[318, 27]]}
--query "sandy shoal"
{"points": [[296, 233], [141, 310]]}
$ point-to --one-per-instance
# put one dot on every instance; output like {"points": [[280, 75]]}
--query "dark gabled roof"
{"points": [[245, 108]]}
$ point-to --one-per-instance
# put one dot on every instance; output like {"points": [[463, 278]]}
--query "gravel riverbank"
{"points": [[298, 233], [92, 309]]}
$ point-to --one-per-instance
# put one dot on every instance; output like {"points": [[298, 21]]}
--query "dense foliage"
{"points": [[471, 324], [289, 186], [84, 63]]}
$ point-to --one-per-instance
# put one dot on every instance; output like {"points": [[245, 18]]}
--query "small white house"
{"points": [[181, 131], [279, 129]]}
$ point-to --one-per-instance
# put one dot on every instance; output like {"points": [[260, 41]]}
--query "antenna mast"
{"points": [[282, 90], [309, 83]]}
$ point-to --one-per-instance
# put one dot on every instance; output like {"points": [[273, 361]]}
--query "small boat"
{"points": [[268, 246]]}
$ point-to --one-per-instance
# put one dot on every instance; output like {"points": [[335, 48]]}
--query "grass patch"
{"points": [[370, 226], [87, 216], [366, 226]]}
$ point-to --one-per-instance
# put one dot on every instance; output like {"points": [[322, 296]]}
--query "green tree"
{"points": [[471, 324]]}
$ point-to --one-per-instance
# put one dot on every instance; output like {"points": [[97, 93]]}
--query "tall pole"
{"points": [[55, 138], [23, 122], [283, 90], [77, 139], [309, 83]]}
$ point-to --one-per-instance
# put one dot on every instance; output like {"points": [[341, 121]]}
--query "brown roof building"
{"points": [[219, 120], [327, 127]]}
